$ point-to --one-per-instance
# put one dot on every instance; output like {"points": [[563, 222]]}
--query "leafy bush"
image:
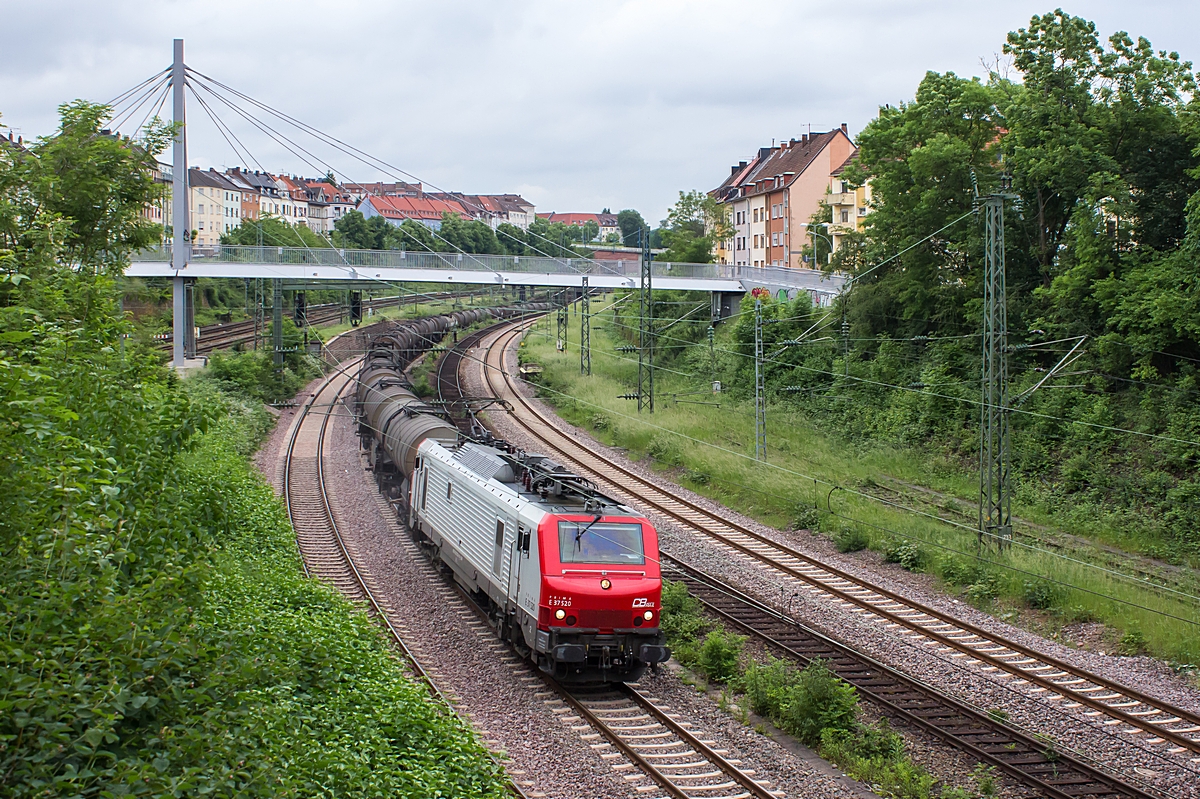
{"points": [[875, 755], [160, 637], [1132, 643], [802, 703], [681, 621], [851, 539], [720, 654], [817, 701], [909, 556], [664, 449], [253, 374], [961, 571], [1041, 594], [983, 592], [600, 421], [807, 518], [764, 685]]}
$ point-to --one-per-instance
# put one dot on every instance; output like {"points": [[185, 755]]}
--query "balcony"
{"points": [[842, 198]]}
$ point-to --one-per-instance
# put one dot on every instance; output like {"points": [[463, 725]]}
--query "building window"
{"points": [[845, 216]]}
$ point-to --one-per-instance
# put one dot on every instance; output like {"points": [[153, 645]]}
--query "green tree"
{"points": [[692, 227], [357, 232], [271, 231], [631, 224], [466, 235]]}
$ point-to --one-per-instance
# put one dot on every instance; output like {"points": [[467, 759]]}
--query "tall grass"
{"points": [[1056, 578]]}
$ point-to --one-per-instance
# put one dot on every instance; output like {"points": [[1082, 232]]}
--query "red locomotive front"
{"points": [[600, 597]]}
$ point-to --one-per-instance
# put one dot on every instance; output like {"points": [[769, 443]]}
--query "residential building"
{"points": [[494, 209], [606, 223], [426, 210], [250, 190], [849, 204], [293, 200], [772, 198], [211, 204], [159, 212], [360, 191], [327, 204]]}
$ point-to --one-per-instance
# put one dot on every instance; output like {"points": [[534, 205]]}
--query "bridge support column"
{"points": [[189, 318], [178, 321]]}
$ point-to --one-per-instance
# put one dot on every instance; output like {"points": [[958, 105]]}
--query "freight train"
{"points": [[570, 577]]}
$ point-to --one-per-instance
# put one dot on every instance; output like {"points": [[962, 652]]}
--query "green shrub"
{"points": [[764, 685], [422, 386], [961, 571], [851, 539], [697, 476], [664, 449], [909, 556], [254, 375], [1132, 643], [875, 755], [807, 518], [600, 421], [984, 591], [720, 654], [817, 701], [680, 619], [1041, 594]]}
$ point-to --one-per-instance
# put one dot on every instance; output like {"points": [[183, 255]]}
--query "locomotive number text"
{"points": [[559, 601]]}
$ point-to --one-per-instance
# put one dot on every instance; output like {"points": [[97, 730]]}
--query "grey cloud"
{"points": [[579, 104]]}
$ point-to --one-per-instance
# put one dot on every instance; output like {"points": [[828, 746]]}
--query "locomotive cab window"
{"points": [[601, 542]]}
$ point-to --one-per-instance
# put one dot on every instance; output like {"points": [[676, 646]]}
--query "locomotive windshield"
{"points": [[600, 542]]}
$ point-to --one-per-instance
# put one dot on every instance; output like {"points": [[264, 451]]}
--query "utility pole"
{"points": [[585, 331], [277, 320], [760, 399], [995, 501], [180, 224], [645, 387], [562, 323]]}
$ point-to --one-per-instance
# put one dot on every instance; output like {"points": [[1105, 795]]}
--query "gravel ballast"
{"points": [[1071, 729]]}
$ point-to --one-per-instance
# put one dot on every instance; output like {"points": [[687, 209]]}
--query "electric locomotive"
{"points": [[567, 574]]}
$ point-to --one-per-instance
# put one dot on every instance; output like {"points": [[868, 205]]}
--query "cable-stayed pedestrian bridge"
{"points": [[362, 268]]}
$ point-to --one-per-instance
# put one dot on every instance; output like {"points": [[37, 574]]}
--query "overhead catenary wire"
{"points": [[292, 147], [372, 161], [903, 508]]}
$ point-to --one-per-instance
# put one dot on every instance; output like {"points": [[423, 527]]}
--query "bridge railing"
{"points": [[399, 259]]}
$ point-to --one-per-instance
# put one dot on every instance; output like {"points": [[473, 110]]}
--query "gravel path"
{"points": [[1070, 729]]}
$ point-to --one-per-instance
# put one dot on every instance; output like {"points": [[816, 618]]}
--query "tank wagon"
{"points": [[568, 575]]}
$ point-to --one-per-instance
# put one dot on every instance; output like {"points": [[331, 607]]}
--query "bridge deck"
{"points": [[393, 266]]}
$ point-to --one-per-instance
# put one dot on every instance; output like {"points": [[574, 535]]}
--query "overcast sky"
{"points": [[576, 105]]}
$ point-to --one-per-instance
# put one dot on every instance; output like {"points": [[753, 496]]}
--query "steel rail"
{"points": [[1028, 661], [1030, 760], [375, 606], [450, 388], [853, 588]]}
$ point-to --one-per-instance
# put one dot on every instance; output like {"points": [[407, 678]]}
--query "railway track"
{"points": [[660, 750], [229, 334], [682, 763], [324, 553], [1130, 714]]}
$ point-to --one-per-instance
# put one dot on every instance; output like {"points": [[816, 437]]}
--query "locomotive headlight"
{"points": [[648, 615], [560, 614], [606, 583]]}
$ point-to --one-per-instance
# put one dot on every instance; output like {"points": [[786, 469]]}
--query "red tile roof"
{"points": [[413, 207], [601, 220]]}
